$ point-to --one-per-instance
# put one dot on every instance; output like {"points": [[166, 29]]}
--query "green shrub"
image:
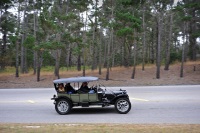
{"points": [[174, 56]]}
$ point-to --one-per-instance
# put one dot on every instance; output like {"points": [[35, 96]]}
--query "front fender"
{"points": [[120, 96]]}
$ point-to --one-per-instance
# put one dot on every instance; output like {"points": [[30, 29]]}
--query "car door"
{"points": [[88, 97]]}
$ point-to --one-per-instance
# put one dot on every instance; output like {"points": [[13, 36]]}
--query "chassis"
{"points": [[64, 102]]}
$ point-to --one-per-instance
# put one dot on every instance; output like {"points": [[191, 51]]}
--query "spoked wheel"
{"points": [[63, 106], [122, 105]]}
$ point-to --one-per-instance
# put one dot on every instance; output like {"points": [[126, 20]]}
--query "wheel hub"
{"points": [[63, 106], [122, 105]]}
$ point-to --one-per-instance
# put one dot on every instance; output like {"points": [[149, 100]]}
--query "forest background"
{"points": [[108, 37]]}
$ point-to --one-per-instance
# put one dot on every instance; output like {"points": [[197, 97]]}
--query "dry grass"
{"points": [[98, 128], [119, 76]]}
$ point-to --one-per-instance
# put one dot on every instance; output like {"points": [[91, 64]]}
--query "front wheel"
{"points": [[63, 106], [122, 105]]}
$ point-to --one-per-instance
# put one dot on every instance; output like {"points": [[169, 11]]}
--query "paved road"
{"points": [[160, 104]]}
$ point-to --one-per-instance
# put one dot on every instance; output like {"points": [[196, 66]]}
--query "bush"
{"points": [[174, 56]]}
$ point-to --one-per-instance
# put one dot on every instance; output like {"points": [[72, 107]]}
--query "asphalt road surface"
{"points": [[150, 105]]}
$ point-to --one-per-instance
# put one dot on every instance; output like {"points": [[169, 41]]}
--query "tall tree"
{"points": [[158, 56], [169, 43], [143, 38], [159, 8], [18, 41], [135, 56], [94, 26], [23, 65], [6, 27], [129, 27], [109, 46], [193, 7], [183, 50], [35, 29]]}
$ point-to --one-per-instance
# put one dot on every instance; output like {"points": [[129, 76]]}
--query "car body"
{"points": [[65, 101]]}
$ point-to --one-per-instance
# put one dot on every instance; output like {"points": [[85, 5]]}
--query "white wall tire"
{"points": [[63, 106], [122, 105]]}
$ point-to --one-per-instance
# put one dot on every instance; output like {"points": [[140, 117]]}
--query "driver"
{"points": [[84, 87]]}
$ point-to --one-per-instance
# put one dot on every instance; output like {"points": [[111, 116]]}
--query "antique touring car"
{"points": [[69, 97]]}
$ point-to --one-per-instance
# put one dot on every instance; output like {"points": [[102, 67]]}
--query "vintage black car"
{"points": [[66, 99]]}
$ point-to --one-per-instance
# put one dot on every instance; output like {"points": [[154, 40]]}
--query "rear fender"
{"points": [[62, 97]]}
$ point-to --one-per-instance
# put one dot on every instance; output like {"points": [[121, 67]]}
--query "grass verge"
{"points": [[99, 128]]}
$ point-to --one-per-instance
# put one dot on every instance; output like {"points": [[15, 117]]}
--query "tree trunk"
{"points": [[122, 52], [25, 61], [192, 48], [3, 63], [108, 60], [68, 46], [35, 52], [144, 39], [17, 59], [159, 32], [108, 57], [38, 73], [126, 54], [100, 51], [105, 54], [192, 39], [112, 49], [84, 58], [183, 50], [152, 47], [94, 45], [109, 46], [169, 42], [17, 44], [135, 54], [79, 62], [84, 42], [22, 66], [182, 61], [93, 49], [38, 65], [187, 43]]}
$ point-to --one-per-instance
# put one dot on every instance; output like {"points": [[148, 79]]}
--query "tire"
{"points": [[63, 106], [122, 105]]}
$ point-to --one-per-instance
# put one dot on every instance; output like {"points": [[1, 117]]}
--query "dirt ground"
{"points": [[119, 76]]}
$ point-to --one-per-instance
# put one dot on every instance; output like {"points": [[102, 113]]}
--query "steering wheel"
{"points": [[94, 88]]}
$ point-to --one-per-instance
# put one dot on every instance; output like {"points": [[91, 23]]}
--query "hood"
{"points": [[116, 92]]}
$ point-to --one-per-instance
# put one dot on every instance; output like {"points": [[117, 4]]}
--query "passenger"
{"points": [[61, 87], [69, 89]]}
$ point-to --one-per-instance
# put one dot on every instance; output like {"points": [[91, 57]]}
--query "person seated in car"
{"points": [[84, 88], [69, 89], [61, 87]]}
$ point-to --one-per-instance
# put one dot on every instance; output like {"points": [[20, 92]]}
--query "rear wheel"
{"points": [[122, 105], [63, 106]]}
